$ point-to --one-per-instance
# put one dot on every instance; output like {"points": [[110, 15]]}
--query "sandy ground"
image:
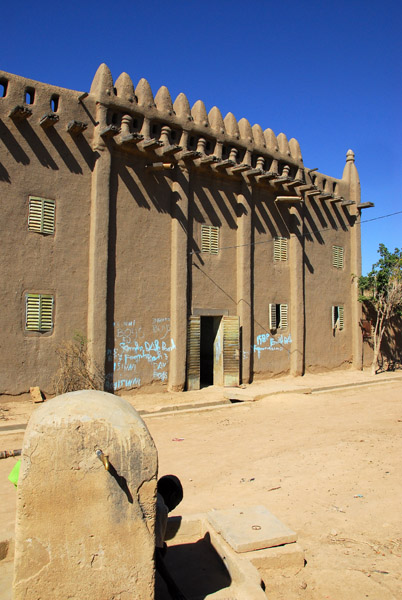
{"points": [[327, 464]]}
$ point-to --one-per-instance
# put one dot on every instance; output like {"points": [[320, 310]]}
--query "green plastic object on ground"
{"points": [[15, 473]]}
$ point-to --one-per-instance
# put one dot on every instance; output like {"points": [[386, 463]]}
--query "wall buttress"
{"points": [[297, 311], [244, 279], [98, 248], [179, 279]]}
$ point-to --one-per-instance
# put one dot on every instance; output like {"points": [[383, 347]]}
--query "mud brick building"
{"points": [[187, 248]]}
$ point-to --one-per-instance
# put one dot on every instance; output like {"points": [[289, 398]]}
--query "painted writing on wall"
{"points": [[267, 342], [139, 358]]}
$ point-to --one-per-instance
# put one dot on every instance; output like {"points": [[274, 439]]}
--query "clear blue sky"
{"points": [[326, 73]]}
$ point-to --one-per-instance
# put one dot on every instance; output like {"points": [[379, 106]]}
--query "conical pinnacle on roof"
{"points": [[163, 100], [125, 87], [246, 133], [102, 81], [144, 93], [258, 135], [351, 175], [295, 151], [199, 114], [283, 144], [270, 140], [231, 126], [181, 107], [216, 120]]}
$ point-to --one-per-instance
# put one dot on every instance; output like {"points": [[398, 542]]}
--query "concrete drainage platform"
{"points": [[229, 554]]}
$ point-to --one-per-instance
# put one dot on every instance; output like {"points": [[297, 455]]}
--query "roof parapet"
{"points": [[295, 151], [231, 126], [271, 141], [283, 144], [246, 133], [125, 88], [258, 136], [181, 107], [199, 114], [102, 82], [216, 120], [144, 94], [163, 101]]}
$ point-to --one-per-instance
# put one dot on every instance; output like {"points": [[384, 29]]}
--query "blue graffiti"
{"points": [[268, 342], [132, 349]]}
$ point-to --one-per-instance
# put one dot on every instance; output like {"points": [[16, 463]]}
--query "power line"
{"points": [[309, 233]]}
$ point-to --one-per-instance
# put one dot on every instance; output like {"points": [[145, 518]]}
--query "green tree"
{"points": [[381, 288]]}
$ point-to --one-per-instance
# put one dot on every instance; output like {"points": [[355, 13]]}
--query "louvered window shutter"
{"points": [[48, 216], [231, 351], [41, 215], [280, 249], [340, 313], [39, 312], [272, 316], [284, 316], [209, 239], [193, 353], [337, 257]]}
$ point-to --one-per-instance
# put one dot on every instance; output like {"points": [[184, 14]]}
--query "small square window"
{"points": [[280, 249], [337, 257], [41, 215], [209, 239], [38, 312], [337, 317], [278, 316]]}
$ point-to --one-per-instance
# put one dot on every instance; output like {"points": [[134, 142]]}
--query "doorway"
{"points": [[209, 349], [213, 351]]}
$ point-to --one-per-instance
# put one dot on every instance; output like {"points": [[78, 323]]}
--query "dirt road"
{"points": [[327, 464], [335, 459]]}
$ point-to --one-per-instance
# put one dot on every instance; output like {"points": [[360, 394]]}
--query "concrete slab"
{"points": [[252, 528]]}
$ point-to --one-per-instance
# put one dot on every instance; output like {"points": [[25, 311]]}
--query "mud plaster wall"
{"points": [[47, 163], [326, 286], [136, 246], [271, 286], [213, 277], [139, 340]]}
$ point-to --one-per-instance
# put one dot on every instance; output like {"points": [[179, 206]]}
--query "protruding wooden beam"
{"points": [[110, 131], [223, 164], [150, 144], [347, 202], [48, 120], [76, 127], [19, 113], [365, 205]]}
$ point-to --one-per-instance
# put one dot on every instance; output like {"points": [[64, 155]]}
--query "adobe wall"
{"points": [[53, 164], [139, 339], [128, 236]]}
